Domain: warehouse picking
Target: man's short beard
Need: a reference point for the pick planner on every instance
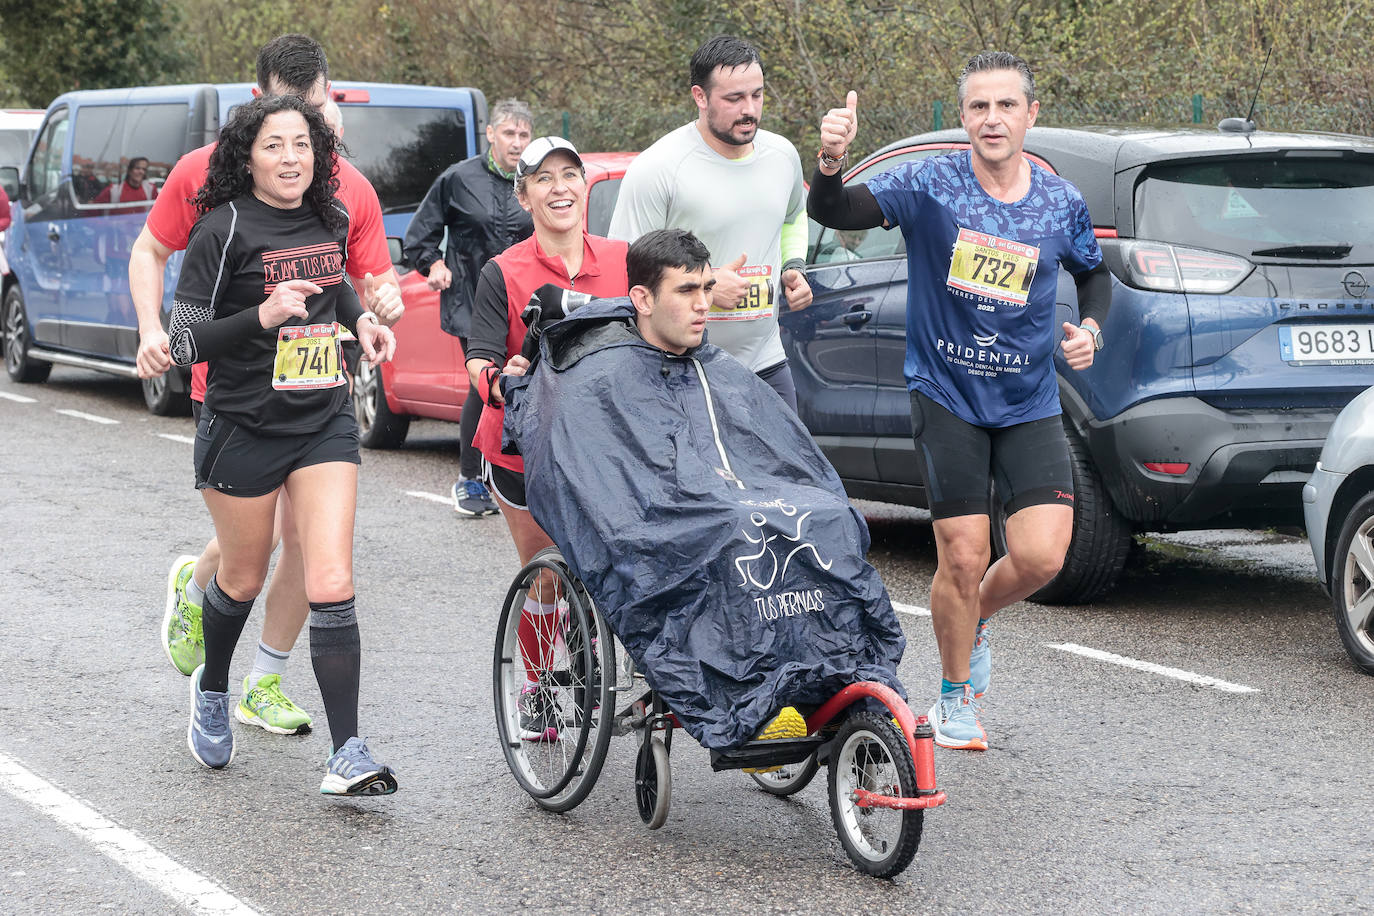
(729, 137)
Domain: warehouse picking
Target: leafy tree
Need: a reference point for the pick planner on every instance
(88, 44)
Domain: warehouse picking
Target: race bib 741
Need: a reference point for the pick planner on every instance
(992, 268)
(307, 357)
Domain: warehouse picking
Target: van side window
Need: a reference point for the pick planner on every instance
(45, 168)
(121, 154)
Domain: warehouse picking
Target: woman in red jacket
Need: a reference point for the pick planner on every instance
(551, 184)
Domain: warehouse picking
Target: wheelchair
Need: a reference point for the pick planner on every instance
(881, 769)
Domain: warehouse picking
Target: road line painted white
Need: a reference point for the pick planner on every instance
(914, 609)
(187, 888)
(17, 398)
(1202, 680)
(81, 415)
(432, 497)
(175, 438)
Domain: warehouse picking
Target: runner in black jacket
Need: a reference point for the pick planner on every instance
(475, 201)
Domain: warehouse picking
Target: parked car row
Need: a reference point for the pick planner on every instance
(1241, 322)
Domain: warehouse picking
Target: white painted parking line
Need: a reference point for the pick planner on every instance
(175, 438)
(914, 610)
(1201, 680)
(432, 497)
(17, 398)
(175, 881)
(81, 415)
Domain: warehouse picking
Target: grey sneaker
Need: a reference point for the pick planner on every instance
(538, 715)
(208, 736)
(352, 771)
(471, 498)
(956, 717)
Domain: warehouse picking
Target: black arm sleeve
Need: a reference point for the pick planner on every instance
(197, 338)
(1094, 294)
(490, 317)
(831, 204)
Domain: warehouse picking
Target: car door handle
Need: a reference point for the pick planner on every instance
(857, 318)
(54, 235)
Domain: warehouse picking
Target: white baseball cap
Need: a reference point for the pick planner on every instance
(538, 150)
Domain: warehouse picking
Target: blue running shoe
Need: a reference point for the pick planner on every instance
(980, 662)
(208, 736)
(471, 498)
(352, 771)
(955, 718)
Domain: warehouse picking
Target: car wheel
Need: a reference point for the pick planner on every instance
(20, 366)
(378, 427)
(163, 398)
(1352, 584)
(1101, 537)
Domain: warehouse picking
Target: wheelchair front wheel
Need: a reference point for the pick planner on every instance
(788, 779)
(869, 753)
(653, 782)
(554, 713)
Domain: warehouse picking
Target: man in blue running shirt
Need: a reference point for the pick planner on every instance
(986, 231)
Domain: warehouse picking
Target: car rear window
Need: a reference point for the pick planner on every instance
(1279, 206)
(402, 150)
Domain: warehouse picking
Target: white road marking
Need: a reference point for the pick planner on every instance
(432, 497)
(81, 415)
(193, 891)
(17, 398)
(175, 438)
(913, 609)
(1202, 680)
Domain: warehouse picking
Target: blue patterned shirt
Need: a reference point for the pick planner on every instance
(981, 282)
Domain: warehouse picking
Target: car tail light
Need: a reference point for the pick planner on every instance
(1172, 468)
(1176, 269)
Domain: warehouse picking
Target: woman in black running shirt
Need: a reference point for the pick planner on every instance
(261, 297)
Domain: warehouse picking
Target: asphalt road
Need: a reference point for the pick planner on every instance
(1109, 787)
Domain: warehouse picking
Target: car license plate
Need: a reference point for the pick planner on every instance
(1326, 344)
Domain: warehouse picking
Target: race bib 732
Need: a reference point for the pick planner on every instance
(992, 268)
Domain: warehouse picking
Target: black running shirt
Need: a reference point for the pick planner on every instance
(277, 381)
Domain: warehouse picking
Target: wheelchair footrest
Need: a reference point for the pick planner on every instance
(775, 752)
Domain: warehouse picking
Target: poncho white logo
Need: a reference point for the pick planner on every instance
(765, 560)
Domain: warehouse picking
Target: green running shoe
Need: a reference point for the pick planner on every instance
(182, 638)
(267, 707)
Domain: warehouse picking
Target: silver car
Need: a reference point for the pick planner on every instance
(1338, 502)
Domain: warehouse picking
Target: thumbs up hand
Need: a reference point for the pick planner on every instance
(383, 299)
(838, 128)
(730, 287)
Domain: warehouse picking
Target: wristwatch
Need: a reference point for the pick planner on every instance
(1096, 332)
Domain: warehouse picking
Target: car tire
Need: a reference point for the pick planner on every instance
(378, 427)
(163, 398)
(1101, 540)
(1352, 584)
(18, 364)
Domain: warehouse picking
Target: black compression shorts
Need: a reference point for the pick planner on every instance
(236, 461)
(1029, 461)
(508, 485)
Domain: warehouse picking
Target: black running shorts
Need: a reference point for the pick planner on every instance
(1029, 461)
(236, 461)
(508, 485)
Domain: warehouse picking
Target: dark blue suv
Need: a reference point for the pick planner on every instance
(1241, 324)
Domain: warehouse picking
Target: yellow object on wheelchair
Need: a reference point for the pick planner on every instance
(786, 724)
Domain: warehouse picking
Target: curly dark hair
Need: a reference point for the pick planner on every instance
(228, 177)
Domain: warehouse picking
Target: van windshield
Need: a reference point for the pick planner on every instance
(402, 150)
(14, 145)
(1306, 208)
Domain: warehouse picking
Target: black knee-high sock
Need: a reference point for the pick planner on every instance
(222, 621)
(335, 654)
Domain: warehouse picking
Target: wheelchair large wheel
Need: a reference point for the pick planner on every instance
(870, 753)
(788, 779)
(554, 714)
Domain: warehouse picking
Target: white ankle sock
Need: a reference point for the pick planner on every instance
(268, 661)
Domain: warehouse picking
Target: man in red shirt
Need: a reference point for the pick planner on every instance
(295, 65)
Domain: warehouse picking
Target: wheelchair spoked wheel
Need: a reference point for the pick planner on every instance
(554, 714)
(788, 779)
(870, 753)
(653, 782)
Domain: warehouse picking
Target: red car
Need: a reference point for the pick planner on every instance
(427, 378)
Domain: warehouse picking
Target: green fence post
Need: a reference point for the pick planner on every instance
(1197, 109)
(567, 125)
(937, 116)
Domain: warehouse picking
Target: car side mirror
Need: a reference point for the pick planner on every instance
(9, 180)
(398, 259)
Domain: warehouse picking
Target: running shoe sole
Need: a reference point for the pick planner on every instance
(190, 726)
(955, 744)
(382, 782)
(172, 606)
(548, 734)
(248, 717)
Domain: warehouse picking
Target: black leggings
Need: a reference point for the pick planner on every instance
(469, 459)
